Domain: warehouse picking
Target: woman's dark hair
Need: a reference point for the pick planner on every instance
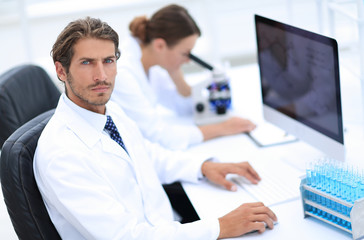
(62, 50)
(171, 23)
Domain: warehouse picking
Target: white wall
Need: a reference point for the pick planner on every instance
(227, 26)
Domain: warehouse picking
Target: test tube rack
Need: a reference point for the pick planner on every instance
(332, 210)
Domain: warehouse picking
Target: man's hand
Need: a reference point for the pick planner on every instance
(216, 173)
(246, 218)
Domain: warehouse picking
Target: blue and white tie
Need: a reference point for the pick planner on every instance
(114, 133)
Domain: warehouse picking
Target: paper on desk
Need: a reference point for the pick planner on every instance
(267, 134)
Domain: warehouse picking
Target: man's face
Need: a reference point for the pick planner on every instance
(91, 77)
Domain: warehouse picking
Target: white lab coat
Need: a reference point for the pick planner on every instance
(94, 190)
(135, 93)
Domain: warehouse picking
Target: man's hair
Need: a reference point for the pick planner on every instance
(88, 27)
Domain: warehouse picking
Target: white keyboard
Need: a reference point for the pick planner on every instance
(280, 183)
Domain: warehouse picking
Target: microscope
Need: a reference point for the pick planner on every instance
(211, 97)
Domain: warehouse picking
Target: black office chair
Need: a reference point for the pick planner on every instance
(25, 92)
(22, 197)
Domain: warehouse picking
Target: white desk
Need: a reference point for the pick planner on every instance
(213, 201)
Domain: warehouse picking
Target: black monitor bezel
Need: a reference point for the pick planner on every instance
(319, 38)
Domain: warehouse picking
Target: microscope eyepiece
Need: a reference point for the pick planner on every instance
(201, 62)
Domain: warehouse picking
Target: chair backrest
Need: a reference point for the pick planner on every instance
(21, 194)
(25, 92)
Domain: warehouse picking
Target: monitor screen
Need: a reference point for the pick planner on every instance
(300, 85)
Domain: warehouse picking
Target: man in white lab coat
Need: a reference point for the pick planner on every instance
(105, 183)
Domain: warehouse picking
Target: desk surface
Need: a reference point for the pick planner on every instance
(212, 201)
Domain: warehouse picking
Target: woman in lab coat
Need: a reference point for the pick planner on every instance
(150, 76)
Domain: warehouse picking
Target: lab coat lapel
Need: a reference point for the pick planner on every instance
(136, 66)
(110, 146)
(88, 134)
(145, 175)
(117, 149)
(144, 83)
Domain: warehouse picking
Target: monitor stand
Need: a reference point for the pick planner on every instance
(267, 134)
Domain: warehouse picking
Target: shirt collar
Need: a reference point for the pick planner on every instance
(96, 120)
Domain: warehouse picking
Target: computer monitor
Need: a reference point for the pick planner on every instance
(300, 85)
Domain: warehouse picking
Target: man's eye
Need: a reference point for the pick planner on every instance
(85, 62)
(109, 60)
